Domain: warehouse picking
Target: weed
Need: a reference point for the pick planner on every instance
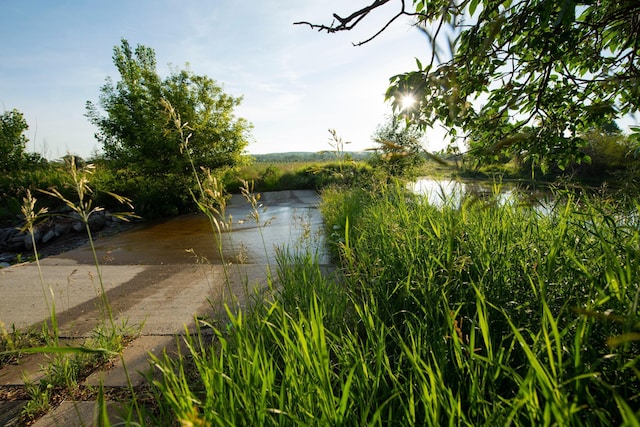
(39, 402)
(14, 340)
(31, 218)
(83, 207)
(68, 363)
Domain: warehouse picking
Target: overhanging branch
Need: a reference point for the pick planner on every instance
(349, 22)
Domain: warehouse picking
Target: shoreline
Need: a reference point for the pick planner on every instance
(64, 243)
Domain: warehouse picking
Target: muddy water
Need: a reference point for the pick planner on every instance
(287, 219)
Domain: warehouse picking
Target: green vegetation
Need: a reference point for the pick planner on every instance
(136, 134)
(67, 365)
(13, 143)
(144, 158)
(400, 151)
(527, 77)
(142, 148)
(470, 315)
(611, 160)
(474, 314)
(297, 176)
(13, 341)
(19, 170)
(483, 312)
(306, 157)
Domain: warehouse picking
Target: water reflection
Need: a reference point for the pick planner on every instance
(447, 192)
(287, 219)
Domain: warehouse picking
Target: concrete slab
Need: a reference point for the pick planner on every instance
(199, 290)
(10, 412)
(78, 414)
(162, 297)
(23, 295)
(137, 362)
(29, 369)
(169, 308)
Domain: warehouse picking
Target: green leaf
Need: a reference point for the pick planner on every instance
(472, 6)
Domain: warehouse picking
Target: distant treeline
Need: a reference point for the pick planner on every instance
(302, 156)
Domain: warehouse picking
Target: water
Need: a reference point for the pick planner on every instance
(450, 192)
(288, 219)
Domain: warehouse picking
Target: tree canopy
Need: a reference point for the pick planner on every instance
(137, 132)
(13, 141)
(525, 76)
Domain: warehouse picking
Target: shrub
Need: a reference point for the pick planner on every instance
(608, 154)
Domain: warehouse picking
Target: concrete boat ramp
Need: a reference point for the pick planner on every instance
(160, 277)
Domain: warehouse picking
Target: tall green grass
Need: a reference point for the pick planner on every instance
(513, 303)
(477, 314)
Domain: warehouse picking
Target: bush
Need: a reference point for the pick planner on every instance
(608, 154)
(270, 178)
(152, 196)
(299, 176)
(13, 188)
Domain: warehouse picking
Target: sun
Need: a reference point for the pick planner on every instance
(407, 101)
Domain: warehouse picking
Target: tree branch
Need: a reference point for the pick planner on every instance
(348, 23)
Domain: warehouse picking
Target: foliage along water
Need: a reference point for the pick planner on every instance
(471, 315)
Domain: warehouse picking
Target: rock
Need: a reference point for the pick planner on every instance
(6, 236)
(50, 234)
(62, 228)
(11, 232)
(16, 246)
(28, 240)
(97, 221)
(54, 235)
(7, 258)
(112, 218)
(16, 243)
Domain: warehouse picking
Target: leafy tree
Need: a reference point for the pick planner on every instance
(136, 132)
(610, 152)
(13, 142)
(525, 76)
(400, 146)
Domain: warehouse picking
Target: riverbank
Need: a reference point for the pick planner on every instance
(55, 236)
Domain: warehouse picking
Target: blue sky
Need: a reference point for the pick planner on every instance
(296, 83)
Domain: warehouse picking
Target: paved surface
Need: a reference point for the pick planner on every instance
(150, 279)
